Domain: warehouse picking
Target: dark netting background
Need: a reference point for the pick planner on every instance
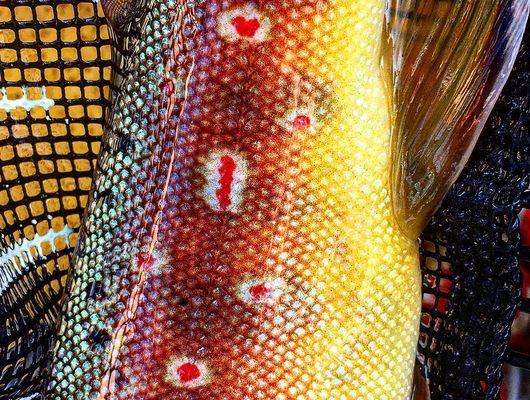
(469, 256)
(54, 73)
(519, 346)
(471, 277)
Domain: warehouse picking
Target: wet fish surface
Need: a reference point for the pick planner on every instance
(240, 241)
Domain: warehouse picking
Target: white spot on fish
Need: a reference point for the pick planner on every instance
(245, 23)
(261, 290)
(188, 372)
(226, 176)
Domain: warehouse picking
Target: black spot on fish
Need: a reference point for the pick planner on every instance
(125, 144)
(104, 193)
(99, 337)
(183, 302)
(81, 241)
(95, 290)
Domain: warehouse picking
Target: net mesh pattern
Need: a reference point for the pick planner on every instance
(58, 52)
(54, 73)
(471, 277)
(519, 346)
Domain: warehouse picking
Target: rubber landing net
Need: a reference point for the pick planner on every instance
(54, 82)
(470, 256)
(54, 73)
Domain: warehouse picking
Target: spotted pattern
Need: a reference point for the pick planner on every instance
(226, 174)
(283, 266)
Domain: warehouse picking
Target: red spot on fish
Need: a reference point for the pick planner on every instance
(226, 173)
(188, 372)
(145, 260)
(259, 292)
(168, 87)
(246, 27)
(302, 121)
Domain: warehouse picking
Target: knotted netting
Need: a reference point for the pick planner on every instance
(470, 255)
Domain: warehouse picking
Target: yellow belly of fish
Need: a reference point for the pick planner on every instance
(369, 276)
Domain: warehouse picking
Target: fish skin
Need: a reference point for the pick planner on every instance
(283, 277)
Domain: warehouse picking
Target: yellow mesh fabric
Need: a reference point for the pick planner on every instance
(54, 73)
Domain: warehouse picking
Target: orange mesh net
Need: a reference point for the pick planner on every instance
(54, 86)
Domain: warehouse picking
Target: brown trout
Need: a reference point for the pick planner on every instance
(266, 170)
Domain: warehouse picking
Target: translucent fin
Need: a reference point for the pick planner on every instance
(449, 61)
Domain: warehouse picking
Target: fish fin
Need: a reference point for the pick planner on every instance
(120, 13)
(448, 62)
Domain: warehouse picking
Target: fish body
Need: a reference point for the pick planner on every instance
(240, 241)
(252, 253)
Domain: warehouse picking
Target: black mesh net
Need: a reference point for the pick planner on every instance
(471, 278)
(519, 347)
(54, 72)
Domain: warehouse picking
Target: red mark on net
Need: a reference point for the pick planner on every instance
(188, 372)
(246, 27)
(226, 174)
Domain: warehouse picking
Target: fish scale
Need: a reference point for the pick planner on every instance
(293, 224)
(243, 245)
(118, 208)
